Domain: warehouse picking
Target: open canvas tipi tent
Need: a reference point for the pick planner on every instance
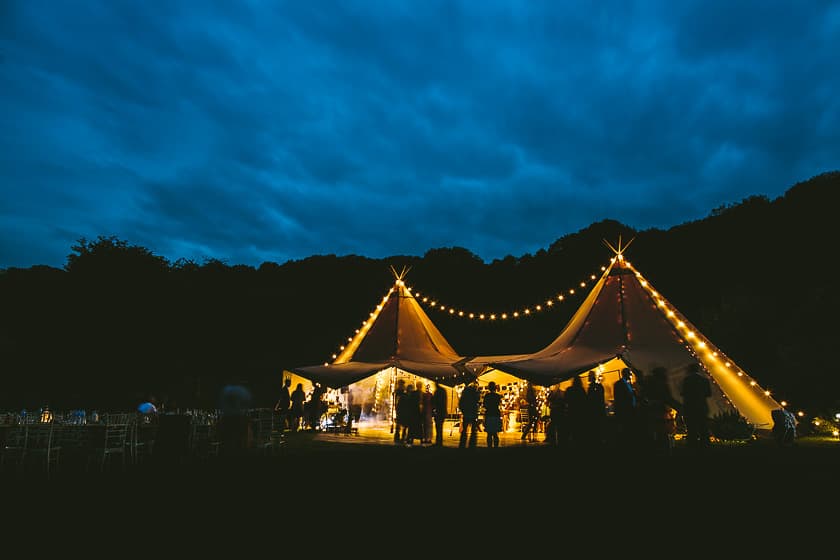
(625, 322)
(398, 336)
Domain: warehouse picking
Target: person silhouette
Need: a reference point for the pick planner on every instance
(530, 406)
(659, 406)
(624, 407)
(284, 403)
(439, 412)
(426, 413)
(315, 407)
(695, 392)
(557, 432)
(410, 404)
(597, 407)
(400, 415)
(233, 428)
(492, 415)
(577, 411)
(468, 403)
(784, 426)
(298, 401)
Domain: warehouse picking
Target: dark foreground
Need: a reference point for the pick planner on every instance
(323, 489)
(317, 463)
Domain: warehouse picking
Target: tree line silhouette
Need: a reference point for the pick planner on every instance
(119, 324)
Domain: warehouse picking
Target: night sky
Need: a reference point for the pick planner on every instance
(254, 131)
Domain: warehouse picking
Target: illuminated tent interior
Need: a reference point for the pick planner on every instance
(625, 322)
(397, 341)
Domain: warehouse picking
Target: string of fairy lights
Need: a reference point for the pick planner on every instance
(366, 324)
(434, 304)
(698, 345)
(529, 311)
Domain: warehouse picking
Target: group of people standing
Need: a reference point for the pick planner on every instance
(416, 410)
(644, 412)
(294, 411)
(577, 416)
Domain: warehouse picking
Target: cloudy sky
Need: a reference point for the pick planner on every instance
(254, 131)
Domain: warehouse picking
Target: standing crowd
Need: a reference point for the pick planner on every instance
(294, 411)
(641, 415)
(416, 411)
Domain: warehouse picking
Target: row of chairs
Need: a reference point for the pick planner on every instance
(41, 445)
(121, 439)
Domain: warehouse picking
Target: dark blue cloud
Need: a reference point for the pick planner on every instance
(252, 131)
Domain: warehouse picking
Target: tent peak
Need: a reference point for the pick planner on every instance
(398, 276)
(619, 249)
